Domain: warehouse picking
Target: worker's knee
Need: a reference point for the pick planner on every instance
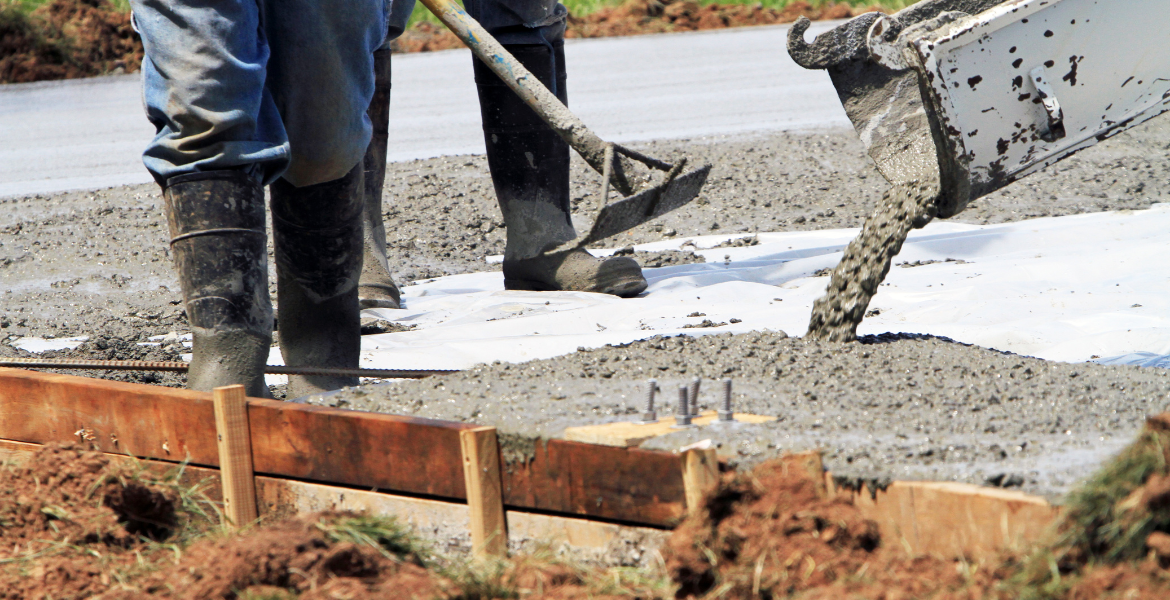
(520, 21)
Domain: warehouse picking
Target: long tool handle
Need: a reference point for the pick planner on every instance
(531, 91)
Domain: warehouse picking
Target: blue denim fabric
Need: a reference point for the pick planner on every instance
(279, 87)
(534, 22)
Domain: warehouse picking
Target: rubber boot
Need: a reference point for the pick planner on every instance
(216, 221)
(529, 164)
(317, 235)
(376, 289)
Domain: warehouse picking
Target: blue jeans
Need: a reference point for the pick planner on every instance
(276, 87)
(281, 87)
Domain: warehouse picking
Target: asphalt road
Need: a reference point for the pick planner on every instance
(89, 133)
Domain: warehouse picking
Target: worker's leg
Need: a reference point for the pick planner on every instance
(321, 74)
(529, 162)
(219, 138)
(376, 288)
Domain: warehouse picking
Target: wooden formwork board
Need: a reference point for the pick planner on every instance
(956, 519)
(404, 455)
(365, 450)
(278, 498)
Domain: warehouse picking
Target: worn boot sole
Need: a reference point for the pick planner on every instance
(623, 289)
(373, 295)
(576, 271)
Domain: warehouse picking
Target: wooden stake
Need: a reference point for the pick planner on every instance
(485, 498)
(235, 455)
(700, 474)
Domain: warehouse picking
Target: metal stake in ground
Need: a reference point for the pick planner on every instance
(725, 414)
(650, 415)
(683, 417)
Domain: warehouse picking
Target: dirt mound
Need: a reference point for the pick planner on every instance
(772, 533)
(330, 555)
(65, 39)
(67, 504)
(637, 17)
(75, 525)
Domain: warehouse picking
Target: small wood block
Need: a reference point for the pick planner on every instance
(485, 498)
(626, 434)
(235, 454)
(700, 475)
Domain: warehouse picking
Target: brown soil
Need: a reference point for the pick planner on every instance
(65, 39)
(295, 558)
(75, 525)
(637, 17)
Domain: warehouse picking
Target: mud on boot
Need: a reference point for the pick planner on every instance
(576, 270)
(220, 248)
(376, 288)
(529, 164)
(317, 234)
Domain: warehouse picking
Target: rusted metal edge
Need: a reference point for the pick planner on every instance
(337, 446)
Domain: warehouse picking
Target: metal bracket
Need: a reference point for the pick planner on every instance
(1047, 97)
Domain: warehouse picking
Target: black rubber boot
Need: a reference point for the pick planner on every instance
(317, 234)
(529, 163)
(216, 220)
(377, 289)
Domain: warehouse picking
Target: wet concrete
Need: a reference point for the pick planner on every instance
(902, 407)
(84, 263)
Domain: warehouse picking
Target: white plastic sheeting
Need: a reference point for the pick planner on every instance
(1070, 288)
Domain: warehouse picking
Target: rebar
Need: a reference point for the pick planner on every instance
(181, 367)
(725, 414)
(693, 399)
(650, 415)
(683, 418)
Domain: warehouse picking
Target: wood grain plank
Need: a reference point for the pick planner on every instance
(235, 455)
(623, 484)
(481, 470)
(700, 475)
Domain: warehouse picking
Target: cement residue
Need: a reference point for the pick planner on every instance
(891, 407)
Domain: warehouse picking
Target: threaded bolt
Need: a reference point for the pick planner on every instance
(693, 398)
(650, 415)
(683, 418)
(725, 414)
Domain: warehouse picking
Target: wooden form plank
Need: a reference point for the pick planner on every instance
(280, 498)
(116, 417)
(630, 433)
(485, 502)
(622, 484)
(366, 450)
(235, 455)
(956, 519)
(700, 475)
